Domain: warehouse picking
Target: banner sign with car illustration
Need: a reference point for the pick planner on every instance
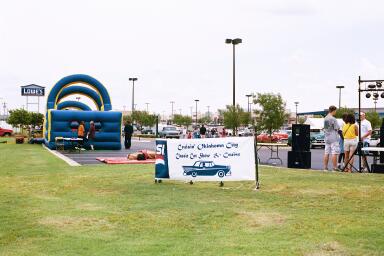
(214, 159)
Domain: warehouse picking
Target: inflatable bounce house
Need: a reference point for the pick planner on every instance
(63, 117)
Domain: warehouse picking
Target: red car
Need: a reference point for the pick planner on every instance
(275, 137)
(281, 136)
(5, 132)
(266, 138)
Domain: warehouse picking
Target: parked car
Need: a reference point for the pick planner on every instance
(375, 138)
(206, 168)
(169, 132)
(317, 140)
(282, 136)
(5, 132)
(266, 138)
(147, 130)
(245, 132)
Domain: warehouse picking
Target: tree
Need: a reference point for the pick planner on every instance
(272, 115)
(142, 118)
(204, 120)
(234, 117)
(374, 118)
(182, 120)
(302, 120)
(344, 110)
(36, 119)
(19, 118)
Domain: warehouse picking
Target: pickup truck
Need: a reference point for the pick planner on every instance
(5, 132)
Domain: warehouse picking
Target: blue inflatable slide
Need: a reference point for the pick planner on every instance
(62, 118)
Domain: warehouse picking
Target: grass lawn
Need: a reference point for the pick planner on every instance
(49, 208)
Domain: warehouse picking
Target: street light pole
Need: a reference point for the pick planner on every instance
(296, 104)
(196, 111)
(133, 79)
(172, 102)
(233, 42)
(248, 96)
(147, 106)
(340, 87)
(4, 107)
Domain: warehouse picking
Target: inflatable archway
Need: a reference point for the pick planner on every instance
(62, 118)
(70, 104)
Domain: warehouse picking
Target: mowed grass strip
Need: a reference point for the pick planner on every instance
(50, 208)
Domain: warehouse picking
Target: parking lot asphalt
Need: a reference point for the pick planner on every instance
(89, 157)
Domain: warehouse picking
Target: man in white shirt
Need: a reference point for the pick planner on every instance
(366, 132)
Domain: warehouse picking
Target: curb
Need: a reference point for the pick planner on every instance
(69, 161)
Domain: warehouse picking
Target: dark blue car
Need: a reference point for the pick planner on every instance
(206, 168)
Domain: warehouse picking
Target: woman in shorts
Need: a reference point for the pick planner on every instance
(350, 133)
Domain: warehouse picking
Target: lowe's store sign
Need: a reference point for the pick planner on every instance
(32, 90)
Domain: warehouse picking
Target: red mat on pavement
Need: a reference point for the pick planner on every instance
(124, 160)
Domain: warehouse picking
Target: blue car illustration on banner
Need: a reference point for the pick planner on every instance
(207, 168)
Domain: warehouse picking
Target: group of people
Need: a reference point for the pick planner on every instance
(341, 141)
(203, 133)
(89, 136)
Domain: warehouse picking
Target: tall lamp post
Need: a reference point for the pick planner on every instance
(172, 102)
(248, 96)
(339, 87)
(147, 105)
(133, 79)
(296, 104)
(234, 42)
(196, 111)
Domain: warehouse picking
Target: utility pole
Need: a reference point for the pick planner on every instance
(196, 110)
(133, 79)
(248, 107)
(340, 87)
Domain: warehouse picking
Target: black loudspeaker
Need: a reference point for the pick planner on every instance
(377, 168)
(297, 159)
(301, 137)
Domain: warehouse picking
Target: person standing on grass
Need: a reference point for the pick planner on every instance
(341, 158)
(366, 132)
(350, 132)
(331, 138)
(128, 131)
(91, 134)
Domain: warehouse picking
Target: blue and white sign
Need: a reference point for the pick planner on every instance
(216, 159)
(32, 90)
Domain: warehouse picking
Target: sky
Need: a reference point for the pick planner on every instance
(301, 49)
